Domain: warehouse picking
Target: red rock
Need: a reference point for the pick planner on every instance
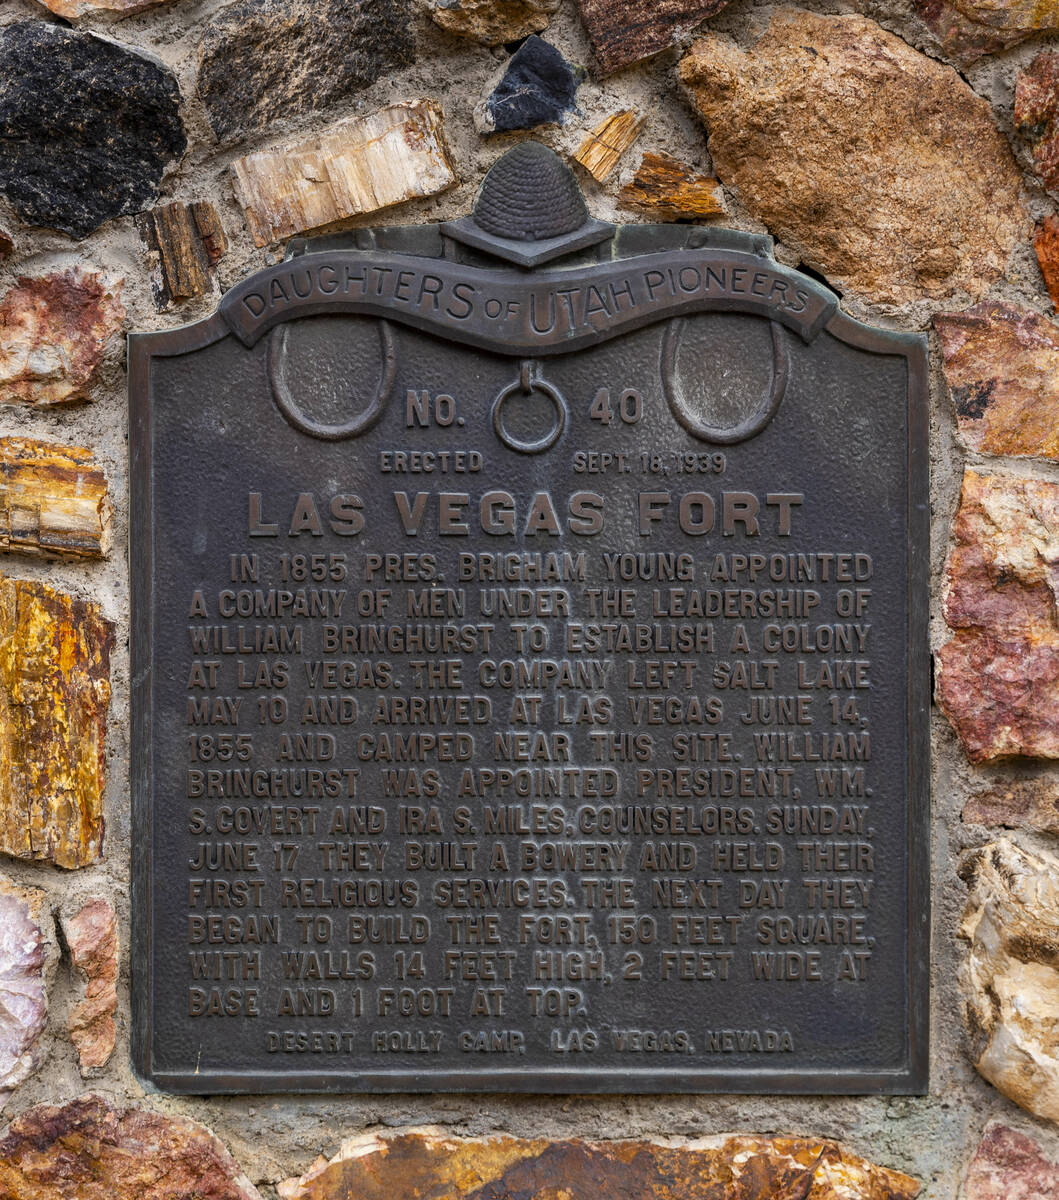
(87, 1150)
(1002, 367)
(1036, 108)
(625, 31)
(92, 936)
(967, 29)
(1009, 1165)
(27, 956)
(1046, 244)
(998, 679)
(54, 331)
(1018, 804)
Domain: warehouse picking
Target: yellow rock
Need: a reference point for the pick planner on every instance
(53, 499)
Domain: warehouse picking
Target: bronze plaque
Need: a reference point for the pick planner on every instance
(530, 675)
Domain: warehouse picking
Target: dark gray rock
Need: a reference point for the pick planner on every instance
(86, 126)
(538, 88)
(266, 59)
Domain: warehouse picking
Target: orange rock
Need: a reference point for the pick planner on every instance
(53, 499)
(1037, 115)
(600, 151)
(669, 191)
(54, 330)
(92, 936)
(54, 692)
(426, 1162)
(1046, 243)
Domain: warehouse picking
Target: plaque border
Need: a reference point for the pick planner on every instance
(912, 1078)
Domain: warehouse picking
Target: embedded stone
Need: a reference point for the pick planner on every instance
(600, 151)
(1009, 1165)
(265, 60)
(53, 499)
(1046, 245)
(1017, 804)
(669, 190)
(538, 88)
(28, 952)
(1010, 977)
(493, 22)
(968, 29)
(92, 937)
(54, 333)
(427, 1162)
(185, 241)
(72, 10)
(54, 692)
(1002, 367)
(816, 91)
(88, 1150)
(623, 32)
(7, 243)
(87, 126)
(998, 678)
(357, 166)
(1036, 113)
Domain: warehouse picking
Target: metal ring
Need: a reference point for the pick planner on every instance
(281, 393)
(527, 389)
(745, 429)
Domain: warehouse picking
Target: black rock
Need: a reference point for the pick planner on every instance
(86, 126)
(265, 59)
(538, 88)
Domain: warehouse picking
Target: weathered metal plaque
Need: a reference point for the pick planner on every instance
(530, 676)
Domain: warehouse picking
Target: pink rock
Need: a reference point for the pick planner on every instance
(92, 936)
(1008, 1165)
(27, 955)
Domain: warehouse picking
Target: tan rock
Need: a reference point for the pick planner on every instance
(603, 147)
(54, 330)
(1009, 1165)
(71, 10)
(92, 936)
(1017, 804)
(28, 952)
(493, 22)
(186, 241)
(429, 1163)
(841, 138)
(998, 679)
(358, 166)
(87, 1150)
(1002, 367)
(668, 190)
(54, 692)
(53, 499)
(1046, 244)
(1010, 977)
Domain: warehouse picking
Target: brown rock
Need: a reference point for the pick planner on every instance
(87, 1150)
(1036, 109)
(92, 936)
(358, 166)
(54, 692)
(1009, 1165)
(426, 1162)
(54, 330)
(27, 957)
(1018, 804)
(669, 191)
(1046, 243)
(967, 29)
(626, 31)
(1002, 367)
(493, 22)
(600, 151)
(998, 679)
(817, 91)
(1010, 978)
(186, 242)
(7, 243)
(53, 499)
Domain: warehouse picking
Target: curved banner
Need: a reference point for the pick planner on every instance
(513, 312)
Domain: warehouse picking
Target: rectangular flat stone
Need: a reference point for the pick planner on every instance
(188, 240)
(625, 31)
(670, 191)
(600, 151)
(53, 499)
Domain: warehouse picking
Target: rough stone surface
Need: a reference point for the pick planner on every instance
(27, 958)
(54, 332)
(86, 126)
(968, 29)
(493, 22)
(1002, 367)
(1036, 113)
(87, 1150)
(538, 88)
(998, 679)
(92, 937)
(54, 692)
(261, 60)
(7, 243)
(625, 31)
(667, 190)
(922, 158)
(53, 499)
(1018, 804)
(1046, 245)
(428, 1163)
(600, 151)
(1009, 1165)
(1010, 976)
(72, 10)
(186, 241)
(354, 167)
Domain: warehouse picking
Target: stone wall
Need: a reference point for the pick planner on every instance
(151, 155)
